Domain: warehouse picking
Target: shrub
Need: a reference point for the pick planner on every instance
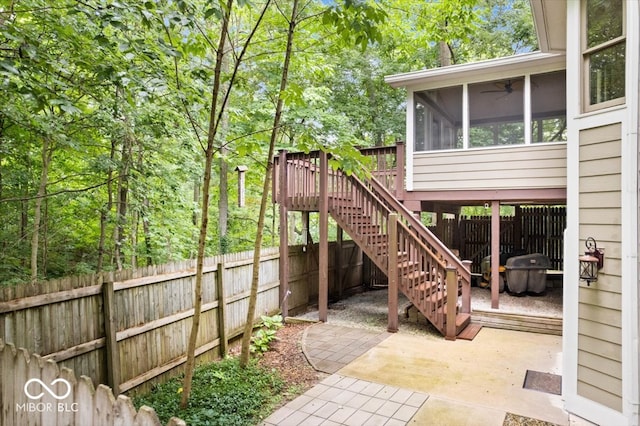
(268, 327)
(223, 393)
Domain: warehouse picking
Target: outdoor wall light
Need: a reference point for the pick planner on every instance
(591, 262)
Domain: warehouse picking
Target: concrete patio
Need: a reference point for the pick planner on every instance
(398, 379)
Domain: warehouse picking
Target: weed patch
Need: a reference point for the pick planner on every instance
(223, 393)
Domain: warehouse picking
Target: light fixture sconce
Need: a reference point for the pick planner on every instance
(591, 262)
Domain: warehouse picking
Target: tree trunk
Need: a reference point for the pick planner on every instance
(47, 153)
(445, 54)
(45, 238)
(104, 212)
(206, 183)
(24, 223)
(147, 231)
(255, 279)
(223, 200)
(215, 117)
(123, 194)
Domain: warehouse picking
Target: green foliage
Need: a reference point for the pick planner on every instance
(267, 329)
(356, 22)
(223, 394)
(88, 76)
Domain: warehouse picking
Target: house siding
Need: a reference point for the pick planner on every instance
(600, 304)
(515, 167)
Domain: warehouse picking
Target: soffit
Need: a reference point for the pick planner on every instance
(550, 19)
(492, 69)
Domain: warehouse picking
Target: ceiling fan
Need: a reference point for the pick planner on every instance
(503, 87)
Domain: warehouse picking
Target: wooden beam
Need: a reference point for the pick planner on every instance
(392, 274)
(400, 162)
(465, 308)
(110, 329)
(136, 381)
(452, 301)
(495, 253)
(338, 263)
(161, 322)
(77, 350)
(283, 271)
(222, 311)
(323, 256)
(49, 298)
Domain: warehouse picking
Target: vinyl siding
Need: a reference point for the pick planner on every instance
(514, 167)
(599, 305)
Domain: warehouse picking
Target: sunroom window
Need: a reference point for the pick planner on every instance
(548, 107)
(510, 111)
(496, 112)
(604, 53)
(438, 119)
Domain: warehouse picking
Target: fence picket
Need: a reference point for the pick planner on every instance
(69, 321)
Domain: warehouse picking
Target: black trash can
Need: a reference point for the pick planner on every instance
(527, 273)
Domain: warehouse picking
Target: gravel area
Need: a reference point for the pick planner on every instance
(548, 304)
(369, 310)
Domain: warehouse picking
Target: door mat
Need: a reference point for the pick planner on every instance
(543, 382)
(515, 420)
(470, 332)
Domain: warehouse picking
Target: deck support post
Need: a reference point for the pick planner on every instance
(466, 291)
(400, 154)
(323, 256)
(495, 253)
(517, 229)
(452, 302)
(339, 282)
(440, 224)
(283, 270)
(392, 277)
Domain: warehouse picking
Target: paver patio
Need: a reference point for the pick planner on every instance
(405, 379)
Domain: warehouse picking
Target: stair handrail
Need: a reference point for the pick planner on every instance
(420, 229)
(382, 205)
(438, 263)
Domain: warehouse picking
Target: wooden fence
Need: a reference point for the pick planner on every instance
(35, 391)
(532, 230)
(130, 329)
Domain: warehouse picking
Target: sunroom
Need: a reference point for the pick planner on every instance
(490, 125)
(489, 133)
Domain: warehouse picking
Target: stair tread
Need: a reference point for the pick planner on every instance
(425, 289)
(414, 275)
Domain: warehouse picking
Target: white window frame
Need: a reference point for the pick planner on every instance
(586, 62)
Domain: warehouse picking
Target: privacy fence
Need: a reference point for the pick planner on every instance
(537, 229)
(130, 329)
(35, 391)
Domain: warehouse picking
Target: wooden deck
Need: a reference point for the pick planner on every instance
(415, 261)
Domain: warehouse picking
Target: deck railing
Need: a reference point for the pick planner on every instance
(387, 166)
(421, 271)
(434, 245)
(362, 208)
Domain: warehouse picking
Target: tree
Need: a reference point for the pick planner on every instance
(215, 118)
(255, 277)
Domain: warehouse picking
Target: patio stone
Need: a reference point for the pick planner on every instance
(405, 381)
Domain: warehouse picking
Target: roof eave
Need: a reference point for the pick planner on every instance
(515, 63)
(550, 20)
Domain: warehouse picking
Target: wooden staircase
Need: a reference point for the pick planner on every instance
(420, 265)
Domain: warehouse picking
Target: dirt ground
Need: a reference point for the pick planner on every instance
(285, 355)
